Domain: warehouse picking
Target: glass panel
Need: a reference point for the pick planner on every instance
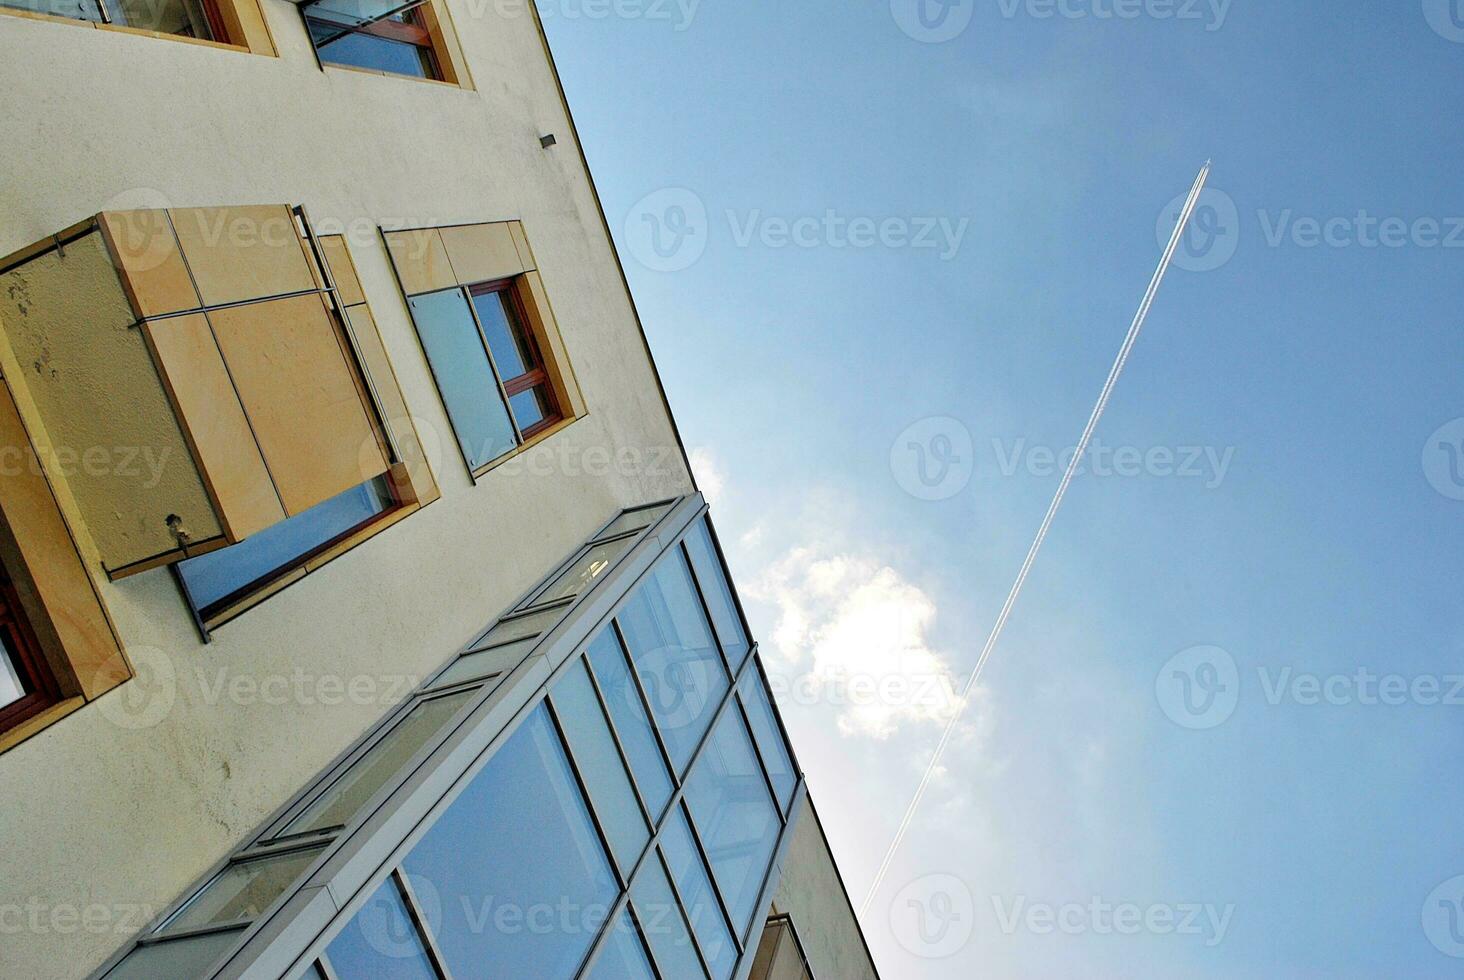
(593, 748)
(734, 816)
(770, 743)
(511, 352)
(356, 11)
(243, 890)
(264, 555)
(661, 921)
(675, 656)
(381, 942)
(530, 406)
(531, 624)
(607, 659)
(82, 10)
(634, 520)
(583, 571)
(702, 905)
(718, 595)
(464, 376)
(516, 866)
(624, 956)
(189, 957)
(383, 761)
(369, 51)
(11, 687)
(489, 663)
(182, 17)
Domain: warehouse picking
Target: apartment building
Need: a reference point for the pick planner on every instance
(359, 615)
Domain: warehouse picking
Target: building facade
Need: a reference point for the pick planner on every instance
(360, 616)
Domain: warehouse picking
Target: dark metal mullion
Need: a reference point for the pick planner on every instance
(492, 364)
(646, 706)
(685, 910)
(640, 934)
(208, 929)
(621, 878)
(619, 745)
(706, 861)
(102, 10)
(328, 971)
(419, 919)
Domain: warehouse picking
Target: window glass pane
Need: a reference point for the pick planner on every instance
(83, 10)
(770, 743)
(243, 890)
(176, 958)
(182, 17)
(464, 376)
(583, 571)
(355, 11)
(381, 942)
(634, 520)
(530, 406)
(513, 852)
(702, 906)
(369, 51)
(593, 748)
(628, 711)
(261, 556)
(499, 660)
(661, 921)
(384, 760)
(11, 687)
(718, 594)
(675, 656)
(734, 817)
(505, 335)
(624, 956)
(531, 624)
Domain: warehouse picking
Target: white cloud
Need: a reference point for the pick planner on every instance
(855, 634)
(710, 477)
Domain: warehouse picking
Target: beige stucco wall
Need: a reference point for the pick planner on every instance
(811, 893)
(118, 807)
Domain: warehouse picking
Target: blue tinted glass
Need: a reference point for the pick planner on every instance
(593, 748)
(221, 573)
(529, 407)
(628, 712)
(368, 51)
(718, 595)
(661, 921)
(624, 956)
(675, 656)
(381, 942)
(464, 376)
(503, 335)
(515, 865)
(769, 737)
(702, 907)
(734, 815)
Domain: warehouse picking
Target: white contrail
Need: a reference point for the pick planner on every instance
(1062, 488)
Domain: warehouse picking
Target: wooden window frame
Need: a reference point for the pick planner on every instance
(411, 31)
(23, 652)
(236, 25)
(429, 29)
(536, 375)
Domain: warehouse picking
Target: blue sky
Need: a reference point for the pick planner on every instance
(1293, 503)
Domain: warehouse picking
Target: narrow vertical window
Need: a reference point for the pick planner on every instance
(516, 356)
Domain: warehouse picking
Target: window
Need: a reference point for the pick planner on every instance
(489, 336)
(242, 890)
(26, 683)
(239, 23)
(394, 37)
(376, 35)
(697, 896)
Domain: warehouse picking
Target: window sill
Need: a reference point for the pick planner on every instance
(136, 31)
(519, 450)
(38, 722)
(331, 66)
